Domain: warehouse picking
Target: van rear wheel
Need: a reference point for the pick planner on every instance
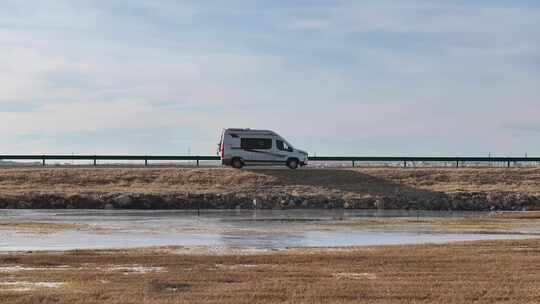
(292, 163)
(237, 163)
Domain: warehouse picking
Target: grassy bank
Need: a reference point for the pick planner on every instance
(175, 188)
(480, 272)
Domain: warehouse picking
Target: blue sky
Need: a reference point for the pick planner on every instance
(333, 77)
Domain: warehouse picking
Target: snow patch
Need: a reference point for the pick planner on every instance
(132, 269)
(9, 269)
(355, 276)
(236, 266)
(27, 286)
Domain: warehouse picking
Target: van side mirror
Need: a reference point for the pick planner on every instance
(290, 149)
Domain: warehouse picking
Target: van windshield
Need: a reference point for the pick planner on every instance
(283, 145)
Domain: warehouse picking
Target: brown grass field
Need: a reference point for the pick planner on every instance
(467, 272)
(375, 181)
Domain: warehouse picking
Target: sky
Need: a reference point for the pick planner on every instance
(362, 78)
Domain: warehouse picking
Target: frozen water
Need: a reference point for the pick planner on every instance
(254, 229)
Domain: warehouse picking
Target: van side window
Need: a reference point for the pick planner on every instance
(281, 145)
(256, 143)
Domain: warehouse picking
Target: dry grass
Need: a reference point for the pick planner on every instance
(532, 215)
(485, 224)
(314, 181)
(479, 272)
(38, 227)
(133, 180)
(519, 180)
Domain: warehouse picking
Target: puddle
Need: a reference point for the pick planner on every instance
(240, 229)
(166, 287)
(275, 220)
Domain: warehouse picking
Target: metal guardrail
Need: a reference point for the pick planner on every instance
(353, 159)
(95, 158)
(406, 160)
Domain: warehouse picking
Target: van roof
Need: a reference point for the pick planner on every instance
(250, 131)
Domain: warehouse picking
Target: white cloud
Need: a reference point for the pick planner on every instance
(371, 72)
(436, 17)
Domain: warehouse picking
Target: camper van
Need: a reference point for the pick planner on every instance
(240, 147)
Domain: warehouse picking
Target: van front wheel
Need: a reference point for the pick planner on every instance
(237, 163)
(292, 163)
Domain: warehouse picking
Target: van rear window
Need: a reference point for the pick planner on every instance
(256, 143)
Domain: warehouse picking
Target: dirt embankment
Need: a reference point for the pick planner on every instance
(175, 188)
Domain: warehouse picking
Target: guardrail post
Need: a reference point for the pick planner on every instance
(146, 161)
(43, 160)
(404, 164)
(457, 163)
(95, 161)
(353, 163)
(508, 165)
(197, 162)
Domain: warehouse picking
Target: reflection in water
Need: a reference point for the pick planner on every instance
(262, 229)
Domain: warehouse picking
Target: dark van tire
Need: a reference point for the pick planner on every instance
(292, 163)
(237, 163)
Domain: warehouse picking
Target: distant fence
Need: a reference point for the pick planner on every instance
(405, 161)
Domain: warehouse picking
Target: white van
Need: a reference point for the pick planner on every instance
(239, 147)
